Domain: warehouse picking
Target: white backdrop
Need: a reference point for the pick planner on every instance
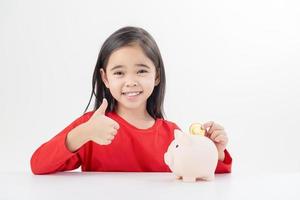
(234, 62)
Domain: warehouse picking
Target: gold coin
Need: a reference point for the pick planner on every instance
(196, 129)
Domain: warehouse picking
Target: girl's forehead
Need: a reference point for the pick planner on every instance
(129, 56)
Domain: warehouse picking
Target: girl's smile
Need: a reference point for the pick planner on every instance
(132, 95)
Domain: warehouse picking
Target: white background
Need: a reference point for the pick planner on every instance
(234, 62)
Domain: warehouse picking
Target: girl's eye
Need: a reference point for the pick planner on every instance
(176, 146)
(118, 73)
(142, 71)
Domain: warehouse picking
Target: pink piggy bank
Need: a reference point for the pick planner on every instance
(192, 157)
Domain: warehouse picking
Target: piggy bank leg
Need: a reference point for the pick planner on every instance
(209, 178)
(188, 179)
(178, 177)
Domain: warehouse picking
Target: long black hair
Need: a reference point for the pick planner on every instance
(127, 36)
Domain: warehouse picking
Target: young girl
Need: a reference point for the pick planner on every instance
(126, 131)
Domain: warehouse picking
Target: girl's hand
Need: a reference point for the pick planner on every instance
(102, 129)
(218, 135)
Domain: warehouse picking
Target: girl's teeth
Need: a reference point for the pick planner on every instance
(132, 94)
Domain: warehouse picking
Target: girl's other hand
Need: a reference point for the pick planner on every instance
(217, 134)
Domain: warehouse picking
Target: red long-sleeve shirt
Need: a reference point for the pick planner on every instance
(132, 150)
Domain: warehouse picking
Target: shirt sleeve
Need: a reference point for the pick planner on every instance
(53, 156)
(225, 165)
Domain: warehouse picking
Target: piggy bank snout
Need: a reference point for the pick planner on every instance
(167, 158)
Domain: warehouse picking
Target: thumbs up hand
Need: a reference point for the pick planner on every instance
(102, 129)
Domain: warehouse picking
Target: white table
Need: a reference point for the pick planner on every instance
(104, 186)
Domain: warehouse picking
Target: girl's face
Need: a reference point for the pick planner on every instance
(130, 76)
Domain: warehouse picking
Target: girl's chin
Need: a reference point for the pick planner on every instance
(130, 104)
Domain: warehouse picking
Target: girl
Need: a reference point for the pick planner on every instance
(127, 130)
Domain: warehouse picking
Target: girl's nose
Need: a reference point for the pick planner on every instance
(131, 84)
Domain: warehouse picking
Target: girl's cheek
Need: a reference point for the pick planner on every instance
(149, 81)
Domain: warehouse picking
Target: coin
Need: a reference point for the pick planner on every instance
(196, 129)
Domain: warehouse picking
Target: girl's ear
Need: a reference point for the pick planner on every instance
(104, 77)
(157, 79)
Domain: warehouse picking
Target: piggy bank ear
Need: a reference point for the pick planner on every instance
(185, 139)
(177, 133)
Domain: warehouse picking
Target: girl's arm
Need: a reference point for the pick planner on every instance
(54, 155)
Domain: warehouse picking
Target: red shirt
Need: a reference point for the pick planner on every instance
(132, 150)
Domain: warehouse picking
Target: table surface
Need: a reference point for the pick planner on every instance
(115, 185)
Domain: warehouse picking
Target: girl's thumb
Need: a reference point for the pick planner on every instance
(102, 108)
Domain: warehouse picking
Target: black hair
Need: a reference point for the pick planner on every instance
(127, 36)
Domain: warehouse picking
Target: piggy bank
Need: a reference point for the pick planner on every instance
(192, 157)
